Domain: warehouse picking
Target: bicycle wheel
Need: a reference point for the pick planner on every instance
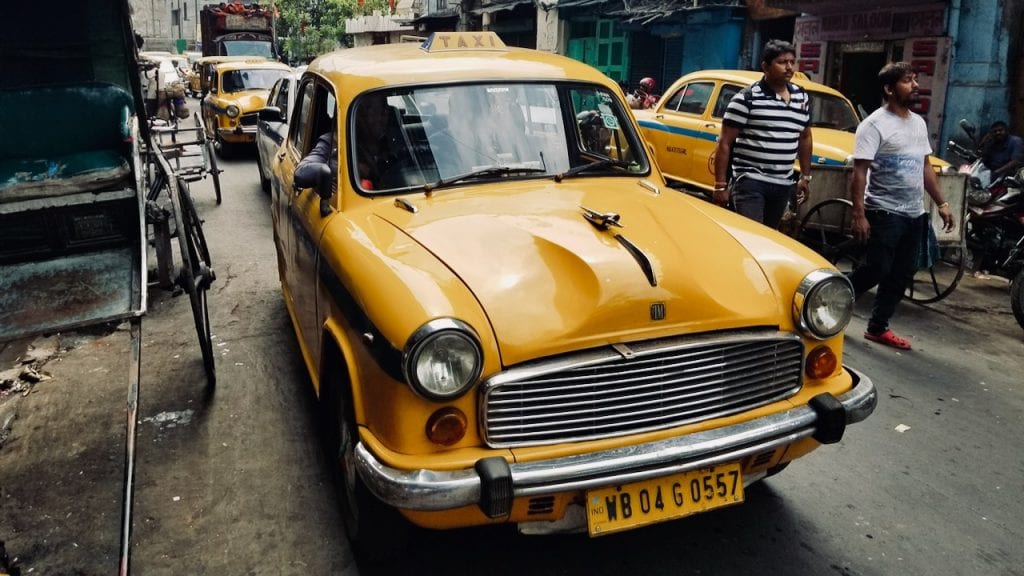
(196, 272)
(209, 157)
(935, 283)
(826, 229)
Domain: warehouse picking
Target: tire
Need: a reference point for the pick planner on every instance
(196, 273)
(935, 283)
(1017, 297)
(827, 229)
(264, 181)
(209, 156)
(379, 534)
(214, 171)
(222, 148)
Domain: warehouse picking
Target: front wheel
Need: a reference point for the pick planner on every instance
(378, 532)
(1017, 297)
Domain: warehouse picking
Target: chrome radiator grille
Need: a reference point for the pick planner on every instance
(643, 386)
(248, 119)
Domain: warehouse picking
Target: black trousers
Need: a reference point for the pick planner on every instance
(890, 262)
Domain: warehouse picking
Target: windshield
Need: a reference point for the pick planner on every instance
(828, 111)
(437, 136)
(250, 79)
(247, 48)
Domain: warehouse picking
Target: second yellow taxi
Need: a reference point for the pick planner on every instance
(237, 91)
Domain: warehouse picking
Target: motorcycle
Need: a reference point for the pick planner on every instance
(995, 221)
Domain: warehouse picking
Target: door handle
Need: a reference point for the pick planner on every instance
(711, 125)
(659, 116)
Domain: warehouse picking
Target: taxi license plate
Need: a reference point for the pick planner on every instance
(628, 506)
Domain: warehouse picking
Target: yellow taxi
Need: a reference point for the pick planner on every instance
(684, 125)
(202, 71)
(238, 90)
(508, 317)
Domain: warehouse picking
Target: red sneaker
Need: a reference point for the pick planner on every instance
(889, 338)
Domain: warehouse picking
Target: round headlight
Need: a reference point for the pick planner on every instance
(442, 359)
(823, 304)
(232, 111)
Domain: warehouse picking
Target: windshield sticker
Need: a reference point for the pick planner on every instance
(610, 121)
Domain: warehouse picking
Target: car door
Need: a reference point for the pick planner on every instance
(317, 112)
(680, 131)
(711, 128)
(270, 133)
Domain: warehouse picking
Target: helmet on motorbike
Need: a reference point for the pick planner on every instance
(647, 84)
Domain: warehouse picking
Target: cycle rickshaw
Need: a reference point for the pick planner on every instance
(83, 180)
(825, 219)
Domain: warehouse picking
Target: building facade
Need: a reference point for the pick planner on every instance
(966, 54)
(168, 24)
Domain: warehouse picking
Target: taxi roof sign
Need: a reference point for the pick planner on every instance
(459, 41)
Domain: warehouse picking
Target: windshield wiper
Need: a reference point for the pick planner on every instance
(480, 172)
(592, 166)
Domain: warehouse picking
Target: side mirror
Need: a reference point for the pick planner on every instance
(271, 114)
(967, 127)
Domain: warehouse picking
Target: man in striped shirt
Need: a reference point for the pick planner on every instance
(766, 127)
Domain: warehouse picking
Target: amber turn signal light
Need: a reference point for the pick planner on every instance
(446, 426)
(821, 363)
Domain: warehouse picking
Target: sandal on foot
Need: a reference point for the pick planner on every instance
(889, 338)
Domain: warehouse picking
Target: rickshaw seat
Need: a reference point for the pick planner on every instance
(63, 139)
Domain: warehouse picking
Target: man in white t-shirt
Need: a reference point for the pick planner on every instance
(891, 157)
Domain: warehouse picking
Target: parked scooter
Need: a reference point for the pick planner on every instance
(995, 221)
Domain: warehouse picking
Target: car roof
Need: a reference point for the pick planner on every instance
(747, 77)
(216, 59)
(448, 56)
(253, 65)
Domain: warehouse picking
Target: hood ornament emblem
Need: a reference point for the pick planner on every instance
(602, 220)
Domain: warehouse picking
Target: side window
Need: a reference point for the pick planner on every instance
(281, 101)
(724, 96)
(303, 118)
(673, 101)
(693, 98)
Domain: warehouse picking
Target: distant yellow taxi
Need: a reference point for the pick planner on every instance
(509, 317)
(684, 126)
(237, 91)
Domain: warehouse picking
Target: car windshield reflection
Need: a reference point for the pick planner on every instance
(437, 136)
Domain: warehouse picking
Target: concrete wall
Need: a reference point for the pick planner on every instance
(152, 19)
(979, 76)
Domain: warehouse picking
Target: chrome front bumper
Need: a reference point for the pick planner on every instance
(246, 131)
(434, 490)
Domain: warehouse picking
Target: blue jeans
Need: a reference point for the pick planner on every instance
(761, 201)
(890, 262)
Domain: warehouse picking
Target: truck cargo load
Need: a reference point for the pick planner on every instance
(238, 29)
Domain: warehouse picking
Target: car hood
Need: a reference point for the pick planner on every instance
(550, 281)
(831, 147)
(247, 101)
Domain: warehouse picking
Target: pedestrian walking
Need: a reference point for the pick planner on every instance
(890, 176)
(765, 129)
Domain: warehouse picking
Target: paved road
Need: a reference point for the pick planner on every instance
(233, 482)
